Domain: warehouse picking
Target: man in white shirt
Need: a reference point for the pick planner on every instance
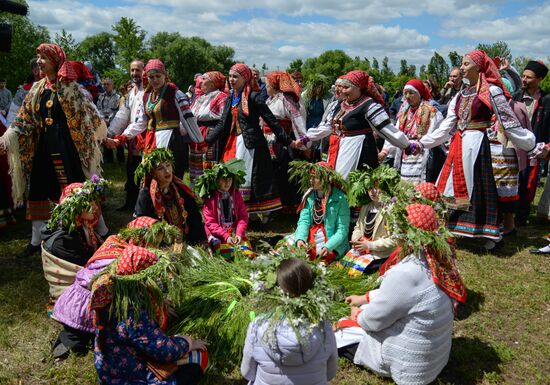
(126, 115)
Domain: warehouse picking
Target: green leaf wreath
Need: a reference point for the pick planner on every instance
(208, 182)
(151, 161)
(150, 235)
(384, 177)
(301, 172)
(64, 215)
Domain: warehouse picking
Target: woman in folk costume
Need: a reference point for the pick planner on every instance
(352, 125)
(371, 245)
(323, 225)
(166, 115)
(240, 136)
(7, 207)
(284, 96)
(164, 196)
(416, 118)
(72, 307)
(130, 315)
(54, 140)
(207, 108)
(466, 180)
(403, 329)
(224, 212)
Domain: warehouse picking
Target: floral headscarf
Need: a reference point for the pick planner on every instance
(365, 83)
(55, 53)
(250, 85)
(488, 74)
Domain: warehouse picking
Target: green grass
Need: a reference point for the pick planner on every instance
(501, 336)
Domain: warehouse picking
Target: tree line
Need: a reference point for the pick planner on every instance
(111, 53)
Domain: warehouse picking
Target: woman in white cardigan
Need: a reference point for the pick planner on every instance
(403, 329)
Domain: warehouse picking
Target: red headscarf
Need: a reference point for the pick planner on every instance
(429, 191)
(55, 53)
(282, 81)
(135, 259)
(155, 65)
(250, 85)
(420, 88)
(365, 83)
(488, 74)
(142, 222)
(422, 217)
(217, 78)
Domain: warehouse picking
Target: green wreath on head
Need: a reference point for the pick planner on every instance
(384, 177)
(208, 182)
(301, 172)
(149, 235)
(151, 161)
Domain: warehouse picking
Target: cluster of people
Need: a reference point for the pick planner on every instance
(404, 184)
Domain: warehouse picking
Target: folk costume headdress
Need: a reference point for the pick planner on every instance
(365, 83)
(419, 230)
(419, 87)
(488, 74)
(282, 81)
(79, 206)
(208, 182)
(250, 84)
(139, 280)
(65, 71)
(217, 78)
(383, 177)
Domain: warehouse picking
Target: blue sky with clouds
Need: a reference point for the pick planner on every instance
(277, 31)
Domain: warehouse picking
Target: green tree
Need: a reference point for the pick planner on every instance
(455, 59)
(129, 41)
(387, 74)
(331, 63)
(500, 49)
(184, 56)
(375, 64)
(14, 66)
(422, 71)
(295, 65)
(520, 62)
(438, 68)
(66, 41)
(99, 49)
(404, 67)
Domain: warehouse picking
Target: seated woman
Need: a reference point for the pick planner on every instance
(403, 329)
(323, 225)
(130, 316)
(72, 307)
(224, 211)
(70, 239)
(371, 245)
(165, 196)
(276, 351)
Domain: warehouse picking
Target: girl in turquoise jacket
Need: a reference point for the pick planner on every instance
(323, 225)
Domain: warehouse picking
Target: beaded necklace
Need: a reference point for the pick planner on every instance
(319, 204)
(150, 106)
(49, 104)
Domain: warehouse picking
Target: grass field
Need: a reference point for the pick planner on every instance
(501, 336)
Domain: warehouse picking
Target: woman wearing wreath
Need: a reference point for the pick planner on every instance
(164, 196)
(54, 140)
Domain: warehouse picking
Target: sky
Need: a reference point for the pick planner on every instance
(276, 32)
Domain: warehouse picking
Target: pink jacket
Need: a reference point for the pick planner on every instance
(211, 221)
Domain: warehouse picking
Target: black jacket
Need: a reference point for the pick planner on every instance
(253, 135)
(540, 122)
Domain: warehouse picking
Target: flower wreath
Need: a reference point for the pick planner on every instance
(65, 214)
(208, 181)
